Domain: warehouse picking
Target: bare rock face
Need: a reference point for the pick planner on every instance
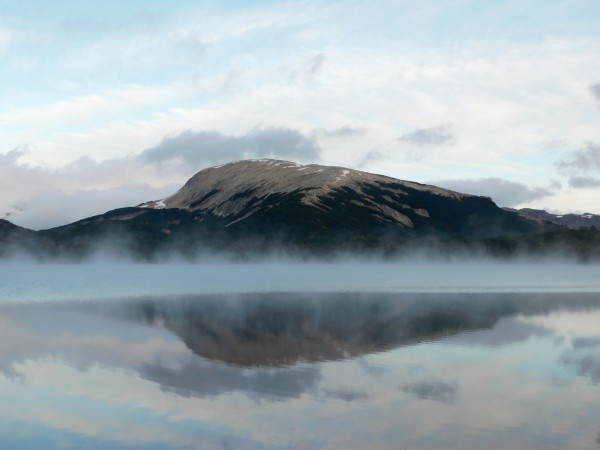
(240, 189)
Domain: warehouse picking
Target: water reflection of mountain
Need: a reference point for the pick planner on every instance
(274, 330)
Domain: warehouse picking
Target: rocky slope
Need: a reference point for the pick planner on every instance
(286, 193)
(248, 186)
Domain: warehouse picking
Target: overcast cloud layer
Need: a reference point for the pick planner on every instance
(114, 104)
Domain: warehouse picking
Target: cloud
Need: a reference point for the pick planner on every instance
(595, 88)
(308, 69)
(421, 142)
(584, 160)
(49, 208)
(39, 198)
(344, 132)
(205, 148)
(429, 137)
(372, 155)
(315, 64)
(503, 192)
(583, 182)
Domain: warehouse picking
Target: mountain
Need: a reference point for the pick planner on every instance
(269, 193)
(572, 221)
(261, 206)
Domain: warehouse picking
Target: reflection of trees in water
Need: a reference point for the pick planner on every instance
(283, 329)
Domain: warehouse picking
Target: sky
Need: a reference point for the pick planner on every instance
(111, 104)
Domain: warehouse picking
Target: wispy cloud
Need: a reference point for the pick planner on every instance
(583, 160)
(595, 88)
(344, 132)
(422, 142)
(315, 64)
(583, 182)
(429, 137)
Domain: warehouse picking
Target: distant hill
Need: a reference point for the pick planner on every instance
(255, 207)
(15, 239)
(572, 221)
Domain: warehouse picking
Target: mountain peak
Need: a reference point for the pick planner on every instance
(246, 185)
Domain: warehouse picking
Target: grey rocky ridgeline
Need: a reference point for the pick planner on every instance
(245, 186)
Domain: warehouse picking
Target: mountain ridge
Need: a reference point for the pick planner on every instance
(261, 206)
(220, 188)
(572, 221)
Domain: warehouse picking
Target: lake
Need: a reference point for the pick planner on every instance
(277, 356)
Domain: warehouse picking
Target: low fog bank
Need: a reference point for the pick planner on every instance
(124, 250)
(118, 237)
(22, 281)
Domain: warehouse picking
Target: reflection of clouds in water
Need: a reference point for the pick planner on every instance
(439, 391)
(206, 379)
(586, 342)
(505, 332)
(585, 364)
(583, 323)
(135, 370)
(373, 370)
(118, 407)
(82, 340)
(584, 358)
(67, 400)
(201, 378)
(581, 331)
(344, 394)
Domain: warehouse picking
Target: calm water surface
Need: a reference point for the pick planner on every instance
(377, 370)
